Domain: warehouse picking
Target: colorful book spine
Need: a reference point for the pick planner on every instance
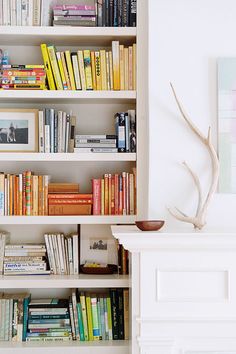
(88, 70)
(55, 68)
(96, 332)
(48, 67)
(89, 317)
(70, 69)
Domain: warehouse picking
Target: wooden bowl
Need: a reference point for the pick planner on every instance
(150, 225)
(110, 269)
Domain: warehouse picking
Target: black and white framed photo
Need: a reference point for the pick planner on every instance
(18, 130)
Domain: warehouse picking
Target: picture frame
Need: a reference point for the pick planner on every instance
(18, 130)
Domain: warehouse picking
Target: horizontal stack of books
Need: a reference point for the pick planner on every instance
(65, 199)
(74, 15)
(63, 253)
(114, 194)
(86, 316)
(95, 143)
(23, 77)
(23, 194)
(28, 259)
(125, 125)
(113, 69)
(48, 320)
(56, 131)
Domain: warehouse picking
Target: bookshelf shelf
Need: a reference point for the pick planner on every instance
(68, 220)
(105, 347)
(32, 36)
(73, 157)
(44, 96)
(64, 281)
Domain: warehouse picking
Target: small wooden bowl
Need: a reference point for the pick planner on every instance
(110, 269)
(150, 225)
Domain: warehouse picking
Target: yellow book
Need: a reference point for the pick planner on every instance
(108, 71)
(55, 68)
(116, 64)
(48, 67)
(122, 68)
(84, 316)
(111, 69)
(126, 313)
(130, 68)
(93, 70)
(88, 70)
(63, 60)
(103, 69)
(89, 317)
(98, 70)
(126, 65)
(102, 197)
(134, 65)
(70, 69)
(81, 69)
(20, 194)
(63, 78)
(35, 195)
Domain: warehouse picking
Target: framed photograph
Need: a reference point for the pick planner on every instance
(18, 130)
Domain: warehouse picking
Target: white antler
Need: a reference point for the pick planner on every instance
(199, 220)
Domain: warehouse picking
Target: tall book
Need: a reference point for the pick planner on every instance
(98, 70)
(48, 67)
(116, 64)
(103, 69)
(70, 69)
(55, 67)
(88, 70)
(93, 66)
(81, 69)
(60, 65)
(75, 65)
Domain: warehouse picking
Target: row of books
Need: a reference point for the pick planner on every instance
(32, 77)
(25, 259)
(56, 131)
(113, 69)
(23, 194)
(113, 13)
(114, 194)
(63, 253)
(86, 316)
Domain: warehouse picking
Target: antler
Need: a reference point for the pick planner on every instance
(199, 220)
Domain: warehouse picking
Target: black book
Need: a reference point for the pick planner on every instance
(56, 133)
(120, 12)
(111, 13)
(114, 313)
(51, 303)
(120, 313)
(133, 13)
(103, 13)
(99, 13)
(132, 137)
(115, 13)
(107, 13)
(125, 17)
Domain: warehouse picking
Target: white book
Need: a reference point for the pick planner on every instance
(67, 256)
(60, 126)
(36, 12)
(41, 131)
(76, 71)
(70, 256)
(64, 132)
(60, 253)
(4, 238)
(47, 138)
(50, 241)
(67, 133)
(1, 12)
(24, 12)
(30, 7)
(18, 12)
(48, 251)
(75, 254)
(13, 12)
(6, 13)
(46, 12)
(56, 253)
(64, 253)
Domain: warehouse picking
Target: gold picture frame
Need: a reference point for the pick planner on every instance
(18, 130)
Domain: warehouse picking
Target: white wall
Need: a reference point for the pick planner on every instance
(186, 38)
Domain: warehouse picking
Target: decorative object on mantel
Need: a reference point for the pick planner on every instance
(199, 220)
(150, 225)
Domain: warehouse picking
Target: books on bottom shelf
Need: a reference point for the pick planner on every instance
(85, 316)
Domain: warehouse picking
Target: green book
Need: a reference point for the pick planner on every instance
(99, 317)
(84, 316)
(80, 320)
(110, 316)
(96, 331)
(89, 317)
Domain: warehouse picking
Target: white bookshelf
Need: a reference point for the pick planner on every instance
(95, 110)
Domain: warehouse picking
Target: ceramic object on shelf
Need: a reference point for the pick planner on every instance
(150, 225)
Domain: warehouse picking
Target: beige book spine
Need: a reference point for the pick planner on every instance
(116, 64)
(108, 72)
(35, 195)
(126, 65)
(111, 70)
(93, 70)
(122, 68)
(130, 68)
(98, 70)
(103, 69)
(63, 60)
(81, 69)
(134, 66)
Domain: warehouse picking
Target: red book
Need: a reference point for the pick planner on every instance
(120, 195)
(106, 195)
(113, 195)
(23, 195)
(109, 194)
(96, 185)
(127, 195)
(124, 210)
(69, 196)
(116, 194)
(70, 201)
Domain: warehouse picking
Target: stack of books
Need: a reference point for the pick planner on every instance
(63, 253)
(48, 320)
(23, 194)
(74, 15)
(103, 316)
(56, 131)
(65, 199)
(14, 313)
(95, 143)
(114, 194)
(23, 77)
(28, 259)
(113, 69)
(125, 125)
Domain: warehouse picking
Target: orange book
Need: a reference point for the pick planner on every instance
(24, 193)
(106, 195)
(31, 195)
(93, 70)
(14, 195)
(116, 194)
(17, 196)
(134, 66)
(20, 193)
(35, 195)
(102, 197)
(113, 195)
(45, 195)
(109, 194)
(28, 195)
(40, 196)
(135, 190)
(11, 195)
(131, 193)
(124, 212)
(122, 68)
(130, 68)
(120, 195)
(127, 194)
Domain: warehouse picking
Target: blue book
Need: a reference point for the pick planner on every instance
(80, 320)
(26, 302)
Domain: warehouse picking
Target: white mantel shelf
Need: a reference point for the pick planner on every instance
(185, 238)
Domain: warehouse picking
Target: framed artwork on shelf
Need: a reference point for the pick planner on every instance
(18, 130)
(227, 124)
